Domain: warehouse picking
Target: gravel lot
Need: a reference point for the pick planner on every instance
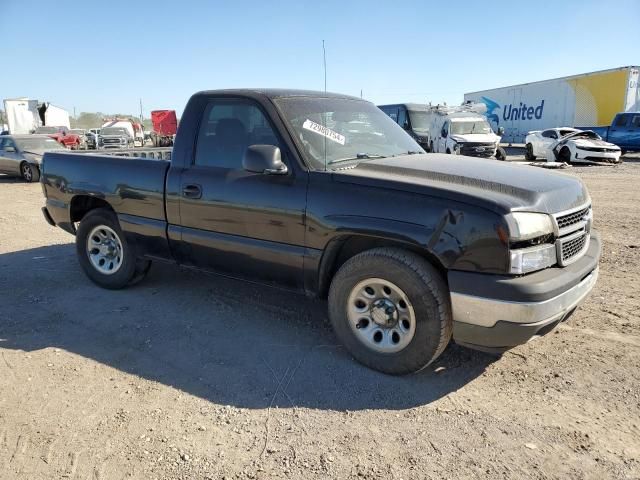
(188, 376)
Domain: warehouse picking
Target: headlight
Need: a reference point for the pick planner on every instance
(527, 225)
(531, 259)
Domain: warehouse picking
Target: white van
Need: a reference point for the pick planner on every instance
(463, 132)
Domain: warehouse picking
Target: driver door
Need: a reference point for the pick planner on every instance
(548, 140)
(235, 222)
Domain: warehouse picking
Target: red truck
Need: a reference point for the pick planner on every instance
(62, 136)
(165, 126)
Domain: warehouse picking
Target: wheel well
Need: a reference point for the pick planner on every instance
(342, 250)
(82, 204)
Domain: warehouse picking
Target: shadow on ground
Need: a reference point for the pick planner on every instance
(10, 179)
(225, 341)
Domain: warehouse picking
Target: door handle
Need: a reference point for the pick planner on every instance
(192, 191)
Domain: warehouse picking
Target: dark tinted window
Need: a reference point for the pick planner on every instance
(621, 121)
(392, 112)
(636, 121)
(549, 134)
(227, 128)
(402, 116)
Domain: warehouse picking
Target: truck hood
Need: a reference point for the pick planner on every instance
(498, 186)
(476, 137)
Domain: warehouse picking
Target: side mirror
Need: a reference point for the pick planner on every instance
(501, 131)
(443, 134)
(10, 149)
(265, 159)
(406, 125)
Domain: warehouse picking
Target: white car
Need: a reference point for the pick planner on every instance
(570, 145)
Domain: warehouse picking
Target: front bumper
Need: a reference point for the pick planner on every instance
(585, 156)
(500, 312)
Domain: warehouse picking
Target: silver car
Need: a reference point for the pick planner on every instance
(22, 154)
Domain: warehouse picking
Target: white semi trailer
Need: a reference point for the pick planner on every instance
(586, 100)
(24, 115)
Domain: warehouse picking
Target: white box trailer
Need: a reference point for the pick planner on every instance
(25, 115)
(586, 100)
(22, 115)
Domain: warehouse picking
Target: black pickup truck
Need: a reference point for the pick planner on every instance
(326, 195)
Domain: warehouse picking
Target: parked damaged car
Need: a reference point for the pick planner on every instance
(21, 155)
(570, 145)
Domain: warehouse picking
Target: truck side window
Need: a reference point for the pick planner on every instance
(621, 121)
(635, 122)
(227, 128)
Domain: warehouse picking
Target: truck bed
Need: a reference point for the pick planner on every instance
(131, 185)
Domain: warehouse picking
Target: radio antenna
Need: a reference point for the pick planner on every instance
(324, 60)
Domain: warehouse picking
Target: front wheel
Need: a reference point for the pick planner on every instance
(528, 153)
(104, 253)
(501, 154)
(565, 155)
(391, 310)
(30, 173)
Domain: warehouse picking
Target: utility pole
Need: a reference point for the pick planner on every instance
(141, 118)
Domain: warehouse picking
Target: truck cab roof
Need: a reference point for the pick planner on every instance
(273, 93)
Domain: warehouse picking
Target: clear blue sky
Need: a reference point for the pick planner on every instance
(106, 55)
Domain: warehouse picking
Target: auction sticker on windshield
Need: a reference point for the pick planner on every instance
(324, 131)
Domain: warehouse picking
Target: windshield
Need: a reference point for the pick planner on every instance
(38, 143)
(113, 131)
(332, 130)
(419, 120)
(46, 130)
(467, 127)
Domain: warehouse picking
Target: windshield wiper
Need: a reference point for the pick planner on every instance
(359, 156)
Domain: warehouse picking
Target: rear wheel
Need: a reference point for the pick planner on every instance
(104, 253)
(501, 153)
(528, 153)
(30, 173)
(391, 310)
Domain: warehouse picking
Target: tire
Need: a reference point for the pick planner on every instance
(431, 148)
(29, 173)
(422, 326)
(98, 228)
(528, 153)
(501, 154)
(564, 155)
(448, 152)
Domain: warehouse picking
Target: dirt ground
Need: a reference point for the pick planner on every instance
(188, 376)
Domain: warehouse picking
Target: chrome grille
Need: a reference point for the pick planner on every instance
(573, 230)
(572, 247)
(565, 221)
